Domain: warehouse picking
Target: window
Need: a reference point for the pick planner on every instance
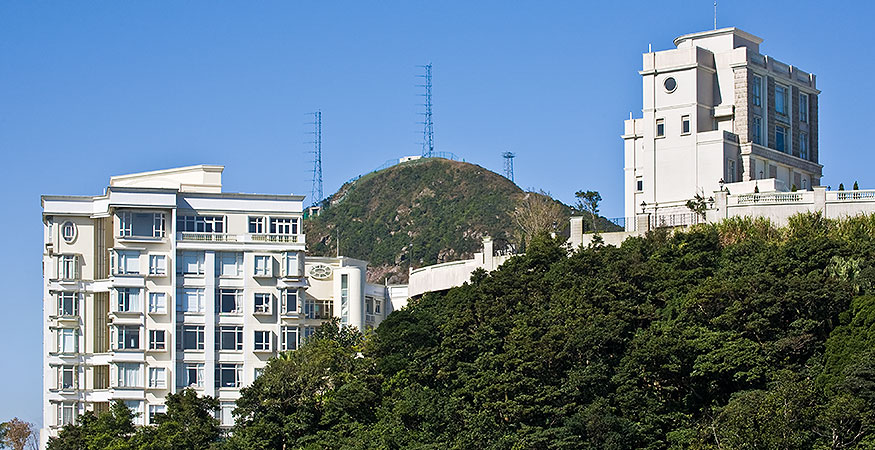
(128, 375)
(291, 265)
(256, 225)
(127, 262)
(307, 332)
(66, 413)
(68, 231)
(290, 301)
(228, 375)
(757, 91)
(127, 337)
(378, 306)
(230, 301)
(192, 375)
(262, 303)
(660, 127)
(148, 225)
(128, 300)
(68, 340)
(639, 184)
(259, 371)
(157, 302)
(316, 308)
(192, 263)
(157, 378)
(67, 265)
(157, 265)
(283, 225)
(262, 341)
(200, 224)
(263, 266)
(344, 299)
(157, 340)
(730, 171)
(229, 264)
(226, 416)
(780, 138)
(101, 376)
(289, 338)
(781, 106)
(229, 338)
(803, 145)
(670, 84)
(192, 337)
(136, 407)
(685, 124)
(191, 300)
(154, 410)
(66, 377)
(803, 107)
(758, 130)
(68, 303)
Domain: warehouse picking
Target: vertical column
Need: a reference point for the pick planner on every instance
(210, 318)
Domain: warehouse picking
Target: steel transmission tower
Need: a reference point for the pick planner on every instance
(508, 165)
(316, 191)
(428, 129)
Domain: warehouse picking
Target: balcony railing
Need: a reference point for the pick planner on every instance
(772, 197)
(206, 237)
(675, 220)
(851, 196)
(275, 237)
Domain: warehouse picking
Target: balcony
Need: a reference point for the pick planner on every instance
(277, 237)
(224, 237)
(206, 237)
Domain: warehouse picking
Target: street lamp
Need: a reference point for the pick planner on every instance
(643, 205)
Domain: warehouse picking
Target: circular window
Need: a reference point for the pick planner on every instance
(670, 84)
(68, 231)
(320, 271)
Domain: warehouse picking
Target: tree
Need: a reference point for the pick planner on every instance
(698, 205)
(856, 186)
(189, 422)
(589, 201)
(18, 434)
(841, 186)
(537, 213)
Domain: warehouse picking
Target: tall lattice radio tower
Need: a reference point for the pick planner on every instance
(428, 124)
(508, 165)
(316, 191)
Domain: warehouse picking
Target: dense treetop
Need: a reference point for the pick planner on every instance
(731, 336)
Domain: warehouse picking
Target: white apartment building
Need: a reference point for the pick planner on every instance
(717, 112)
(165, 282)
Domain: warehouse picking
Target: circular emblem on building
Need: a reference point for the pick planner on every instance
(320, 271)
(670, 84)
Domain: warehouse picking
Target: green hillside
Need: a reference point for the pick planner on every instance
(425, 212)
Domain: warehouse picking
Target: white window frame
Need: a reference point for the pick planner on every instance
(185, 303)
(291, 264)
(236, 332)
(126, 225)
(757, 130)
(260, 306)
(660, 132)
(68, 267)
(156, 344)
(129, 375)
(200, 335)
(68, 231)
(157, 265)
(287, 332)
(189, 261)
(187, 369)
(68, 335)
(71, 409)
(121, 335)
(154, 410)
(237, 294)
(201, 224)
(127, 300)
(284, 226)
(157, 303)
(157, 378)
(73, 371)
(61, 298)
(287, 296)
(686, 121)
(263, 341)
(136, 407)
(224, 261)
(237, 369)
(257, 225)
(262, 266)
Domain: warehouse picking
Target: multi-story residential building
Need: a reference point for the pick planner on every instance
(717, 112)
(165, 282)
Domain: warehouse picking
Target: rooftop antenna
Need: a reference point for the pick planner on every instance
(715, 14)
(508, 165)
(316, 191)
(428, 129)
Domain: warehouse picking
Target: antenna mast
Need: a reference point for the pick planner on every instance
(508, 165)
(715, 14)
(316, 191)
(428, 129)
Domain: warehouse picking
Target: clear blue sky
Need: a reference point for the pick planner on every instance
(93, 89)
